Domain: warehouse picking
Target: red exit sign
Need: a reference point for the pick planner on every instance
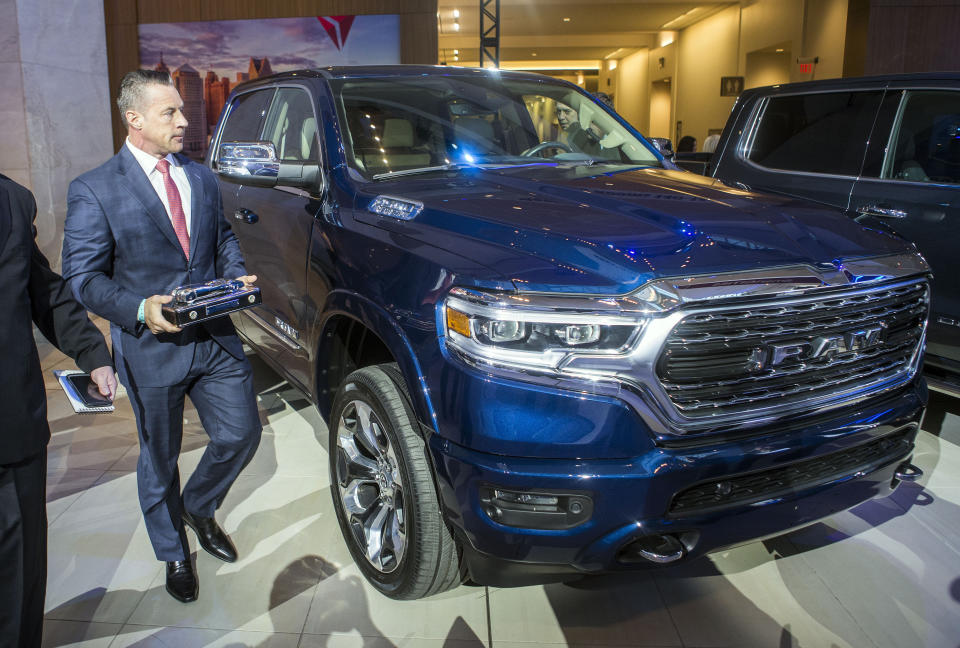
(806, 68)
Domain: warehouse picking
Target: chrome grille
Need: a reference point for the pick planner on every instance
(717, 362)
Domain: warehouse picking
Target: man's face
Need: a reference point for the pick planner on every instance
(565, 116)
(158, 126)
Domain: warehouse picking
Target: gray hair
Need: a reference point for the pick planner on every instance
(131, 89)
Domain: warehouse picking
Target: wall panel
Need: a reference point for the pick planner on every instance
(913, 36)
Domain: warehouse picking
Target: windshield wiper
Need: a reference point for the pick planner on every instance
(453, 166)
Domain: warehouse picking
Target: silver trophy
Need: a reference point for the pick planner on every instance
(200, 302)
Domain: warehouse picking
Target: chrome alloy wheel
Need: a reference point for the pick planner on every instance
(370, 486)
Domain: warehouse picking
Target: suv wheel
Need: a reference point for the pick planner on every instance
(383, 490)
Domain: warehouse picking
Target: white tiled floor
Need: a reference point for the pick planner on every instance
(886, 574)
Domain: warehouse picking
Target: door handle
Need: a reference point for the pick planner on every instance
(245, 215)
(882, 212)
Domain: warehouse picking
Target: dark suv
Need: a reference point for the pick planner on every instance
(539, 352)
(886, 149)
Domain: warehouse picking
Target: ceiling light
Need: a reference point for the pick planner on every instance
(681, 16)
(456, 58)
(456, 13)
(533, 53)
(456, 25)
(779, 49)
(455, 52)
(566, 20)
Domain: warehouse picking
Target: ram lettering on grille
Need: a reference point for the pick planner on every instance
(824, 347)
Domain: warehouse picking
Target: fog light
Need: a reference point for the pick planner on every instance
(527, 498)
(536, 510)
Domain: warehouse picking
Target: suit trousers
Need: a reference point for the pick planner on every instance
(23, 551)
(221, 388)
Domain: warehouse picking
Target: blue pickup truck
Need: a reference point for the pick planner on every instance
(542, 352)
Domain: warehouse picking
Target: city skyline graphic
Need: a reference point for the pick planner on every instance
(207, 59)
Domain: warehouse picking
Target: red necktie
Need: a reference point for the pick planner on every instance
(176, 207)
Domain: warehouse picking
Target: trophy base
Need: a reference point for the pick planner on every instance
(209, 308)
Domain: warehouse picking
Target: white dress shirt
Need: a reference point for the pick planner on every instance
(149, 165)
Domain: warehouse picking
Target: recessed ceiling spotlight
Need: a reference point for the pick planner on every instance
(456, 13)
(779, 49)
(566, 20)
(533, 53)
(455, 52)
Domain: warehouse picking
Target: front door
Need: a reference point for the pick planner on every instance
(275, 226)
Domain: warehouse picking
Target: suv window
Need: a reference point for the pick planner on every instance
(926, 145)
(247, 114)
(292, 126)
(813, 132)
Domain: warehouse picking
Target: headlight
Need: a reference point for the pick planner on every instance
(535, 332)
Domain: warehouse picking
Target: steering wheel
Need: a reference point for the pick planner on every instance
(549, 144)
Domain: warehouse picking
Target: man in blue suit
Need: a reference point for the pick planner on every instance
(145, 222)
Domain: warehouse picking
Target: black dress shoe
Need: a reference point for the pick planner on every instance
(212, 538)
(181, 581)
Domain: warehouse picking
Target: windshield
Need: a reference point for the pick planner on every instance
(430, 123)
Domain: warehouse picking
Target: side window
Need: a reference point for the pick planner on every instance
(247, 114)
(817, 133)
(926, 143)
(292, 126)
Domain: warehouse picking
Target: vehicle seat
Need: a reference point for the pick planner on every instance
(308, 139)
(943, 149)
(905, 167)
(474, 134)
(398, 146)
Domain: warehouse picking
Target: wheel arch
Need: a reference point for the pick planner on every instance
(354, 333)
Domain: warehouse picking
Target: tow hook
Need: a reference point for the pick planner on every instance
(908, 472)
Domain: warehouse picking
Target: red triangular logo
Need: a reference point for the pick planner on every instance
(337, 28)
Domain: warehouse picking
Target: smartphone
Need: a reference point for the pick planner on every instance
(87, 391)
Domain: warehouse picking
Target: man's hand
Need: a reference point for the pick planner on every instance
(153, 315)
(105, 380)
(248, 280)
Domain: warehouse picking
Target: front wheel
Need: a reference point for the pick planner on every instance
(383, 491)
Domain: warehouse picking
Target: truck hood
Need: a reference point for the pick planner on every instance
(605, 230)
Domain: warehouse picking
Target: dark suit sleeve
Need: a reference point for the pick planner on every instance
(229, 257)
(88, 249)
(59, 317)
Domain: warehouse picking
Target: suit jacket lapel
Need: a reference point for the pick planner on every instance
(197, 215)
(136, 182)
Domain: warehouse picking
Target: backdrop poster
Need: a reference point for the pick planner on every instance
(207, 59)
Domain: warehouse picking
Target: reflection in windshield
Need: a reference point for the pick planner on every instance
(406, 125)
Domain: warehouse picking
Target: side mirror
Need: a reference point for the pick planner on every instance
(256, 164)
(253, 163)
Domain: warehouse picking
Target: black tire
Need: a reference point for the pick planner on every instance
(413, 553)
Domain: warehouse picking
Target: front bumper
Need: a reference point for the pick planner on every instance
(632, 497)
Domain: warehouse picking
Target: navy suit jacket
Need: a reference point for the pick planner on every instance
(32, 293)
(119, 248)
